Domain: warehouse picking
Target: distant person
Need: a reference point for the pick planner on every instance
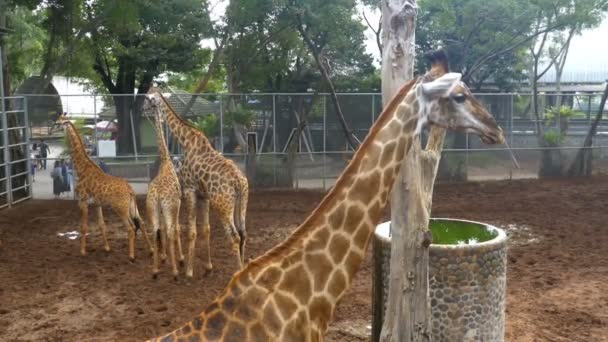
(57, 179)
(44, 151)
(65, 176)
(103, 166)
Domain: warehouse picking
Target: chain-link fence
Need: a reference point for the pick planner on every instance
(267, 126)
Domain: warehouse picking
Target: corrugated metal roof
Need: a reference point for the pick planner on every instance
(178, 99)
(596, 75)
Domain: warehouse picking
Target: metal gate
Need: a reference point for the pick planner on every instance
(15, 163)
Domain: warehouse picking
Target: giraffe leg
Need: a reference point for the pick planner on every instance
(163, 237)
(143, 232)
(128, 222)
(206, 232)
(190, 197)
(102, 226)
(178, 236)
(153, 219)
(226, 213)
(84, 218)
(169, 215)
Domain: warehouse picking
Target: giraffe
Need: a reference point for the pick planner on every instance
(290, 292)
(100, 189)
(206, 175)
(163, 199)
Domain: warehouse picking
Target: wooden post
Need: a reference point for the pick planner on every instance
(408, 313)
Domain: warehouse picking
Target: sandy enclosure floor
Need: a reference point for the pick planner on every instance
(557, 275)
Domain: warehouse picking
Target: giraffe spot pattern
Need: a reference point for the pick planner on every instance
(337, 283)
(287, 307)
(214, 326)
(296, 329)
(320, 311)
(353, 218)
(338, 246)
(337, 216)
(297, 282)
(320, 267)
(235, 332)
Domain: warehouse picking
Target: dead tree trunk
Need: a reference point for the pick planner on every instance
(582, 163)
(408, 314)
(348, 132)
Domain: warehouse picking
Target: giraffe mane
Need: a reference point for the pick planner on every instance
(290, 242)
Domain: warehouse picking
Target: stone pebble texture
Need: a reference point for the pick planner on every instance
(467, 290)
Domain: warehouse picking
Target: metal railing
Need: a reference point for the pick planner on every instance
(19, 143)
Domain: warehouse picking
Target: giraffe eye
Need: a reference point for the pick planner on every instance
(459, 98)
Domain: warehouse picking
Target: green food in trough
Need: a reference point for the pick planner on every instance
(449, 232)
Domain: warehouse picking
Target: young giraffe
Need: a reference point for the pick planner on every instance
(100, 189)
(217, 181)
(290, 293)
(164, 198)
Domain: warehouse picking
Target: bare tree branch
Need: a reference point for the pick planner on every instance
(348, 133)
(377, 32)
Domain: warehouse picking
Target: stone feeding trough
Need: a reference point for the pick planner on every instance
(467, 280)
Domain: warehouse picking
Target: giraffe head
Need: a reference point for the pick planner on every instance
(62, 120)
(446, 101)
(152, 104)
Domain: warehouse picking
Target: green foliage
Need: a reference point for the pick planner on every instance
(553, 137)
(208, 124)
(266, 52)
(25, 45)
(80, 126)
(239, 116)
(564, 112)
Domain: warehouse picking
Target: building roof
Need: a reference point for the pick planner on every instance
(178, 100)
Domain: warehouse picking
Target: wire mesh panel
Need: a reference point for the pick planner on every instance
(552, 128)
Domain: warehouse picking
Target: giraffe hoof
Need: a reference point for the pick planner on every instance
(155, 276)
(181, 263)
(132, 259)
(175, 278)
(107, 249)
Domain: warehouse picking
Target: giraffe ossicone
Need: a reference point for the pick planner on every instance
(290, 293)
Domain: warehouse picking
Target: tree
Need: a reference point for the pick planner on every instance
(140, 40)
(408, 311)
(570, 18)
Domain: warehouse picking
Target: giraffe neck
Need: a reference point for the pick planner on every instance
(82, 161)
(319, 260)
(160, 139)
(188, 136)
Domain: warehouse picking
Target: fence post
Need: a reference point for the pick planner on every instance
(133, 131)
(274, 123)
(324, 141)
(221, 126)
(95, 122)
(511, 120)
(7, 155)
(27, 134)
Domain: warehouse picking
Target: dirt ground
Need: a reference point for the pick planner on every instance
(557, 271)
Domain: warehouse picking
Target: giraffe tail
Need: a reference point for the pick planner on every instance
(240, 211)
(134, 214)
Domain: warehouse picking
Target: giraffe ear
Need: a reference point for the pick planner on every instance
(441, 86)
